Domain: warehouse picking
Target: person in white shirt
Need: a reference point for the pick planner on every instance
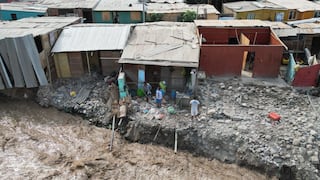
(194, 107)
(158, 97)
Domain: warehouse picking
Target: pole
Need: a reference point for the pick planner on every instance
(143, 12)
(113, 122)
(175, 141)
(88, 62)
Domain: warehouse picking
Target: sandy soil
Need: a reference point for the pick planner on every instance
(39, 143)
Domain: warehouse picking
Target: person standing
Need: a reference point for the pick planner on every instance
(194, 107)
(163, 87)
(147, 90)
(158, 97)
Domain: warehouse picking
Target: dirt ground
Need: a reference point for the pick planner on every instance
(44, 143)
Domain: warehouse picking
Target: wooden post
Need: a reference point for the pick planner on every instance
(88, 63)
(113, 122)
(175, 141)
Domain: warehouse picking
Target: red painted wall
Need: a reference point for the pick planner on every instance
(306, 76)
(226, 60)
(222, 35)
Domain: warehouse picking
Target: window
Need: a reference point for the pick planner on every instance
(292, 15)
(279, 16)
(106, 16)
(14, 17)
(250, 16)
(317, 14)
(135, 16)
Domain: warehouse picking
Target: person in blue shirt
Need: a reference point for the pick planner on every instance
(194, 107)
(158, 97)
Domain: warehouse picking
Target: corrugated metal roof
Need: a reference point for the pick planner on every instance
(231, 23)
(35, 26)
(163, 44)
(69, 4)
(284, 30)
(166, 1)
(116, 5)
(300, 5)
(92, 38)
(21, 60)
(21, 6)
(180, 7)
(243, 6)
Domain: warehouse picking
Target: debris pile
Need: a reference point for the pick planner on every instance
(89, 96)
(234, 127)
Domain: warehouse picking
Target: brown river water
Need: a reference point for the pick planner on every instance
(44, 143)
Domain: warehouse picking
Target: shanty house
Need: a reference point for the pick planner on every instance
(14, 11)
(25, 46)
(79, 8)
(298, 9)
(239, 47)
(262, 10)
(161, 51)
(113, 11)
(84, 48)
(173, 11)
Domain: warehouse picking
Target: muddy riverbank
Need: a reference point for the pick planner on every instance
(44, 143)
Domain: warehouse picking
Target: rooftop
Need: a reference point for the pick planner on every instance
(35, 26)
(21, 6)
(69, 4)
(243, 6)
(116, 5)
(180, 7)
(92, 37)
(163, 44)
(300, 5)
(231, 23)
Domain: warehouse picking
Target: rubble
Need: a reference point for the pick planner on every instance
(90, 96)
(233, 125)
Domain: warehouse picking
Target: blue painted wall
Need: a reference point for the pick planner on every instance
(124, 17)
(5, 15)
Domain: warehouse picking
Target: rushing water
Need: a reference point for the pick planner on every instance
(41, 143)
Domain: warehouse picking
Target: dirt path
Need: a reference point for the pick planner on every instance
(38, 143)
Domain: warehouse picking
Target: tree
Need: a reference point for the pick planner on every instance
(188, 16)
(155, 17)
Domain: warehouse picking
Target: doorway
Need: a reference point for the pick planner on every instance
(248, 63)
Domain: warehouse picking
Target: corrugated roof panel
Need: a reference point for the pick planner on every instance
(231, 23)
(180, 7)
(243, 6)
(91, 38)
(116, 5)
(69, 4)
(14, 63)
(25, 62)
(4, 74)
(32, 54)
(23, 6)
(300, 5)
(36, 26)
(163, 44)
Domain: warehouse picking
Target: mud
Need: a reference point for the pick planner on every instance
(44, 143)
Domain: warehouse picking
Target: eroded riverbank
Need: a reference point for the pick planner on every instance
(41, 143)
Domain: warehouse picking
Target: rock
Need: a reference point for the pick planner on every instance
(314, 159)
(296, 142)
(313, 132)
